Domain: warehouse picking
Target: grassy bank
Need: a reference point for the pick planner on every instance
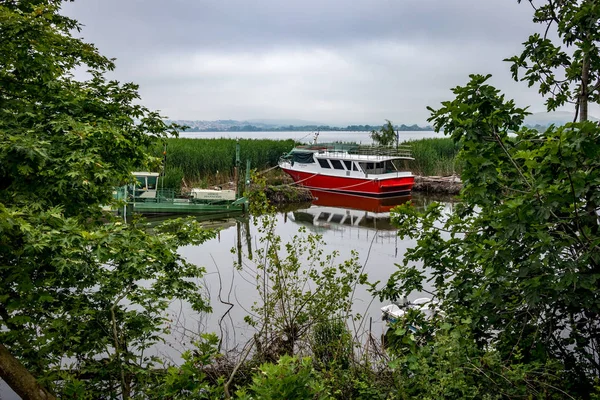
(206, 162)
(433, 157)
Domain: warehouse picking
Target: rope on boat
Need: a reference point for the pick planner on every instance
(295, 183)
(267, 170)
(343, 187)
(350, 186)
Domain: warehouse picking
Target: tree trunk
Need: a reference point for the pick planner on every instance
(19, 379)
(583, 99)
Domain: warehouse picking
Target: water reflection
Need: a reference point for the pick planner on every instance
(342, 211)
(346, 223)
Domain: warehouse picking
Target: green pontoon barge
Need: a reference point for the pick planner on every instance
(145, 197)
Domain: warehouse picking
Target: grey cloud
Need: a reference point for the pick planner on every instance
(239, 24)
(352, 61)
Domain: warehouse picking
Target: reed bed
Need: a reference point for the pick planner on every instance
(212, 161)
(433, 157)
(209, 162)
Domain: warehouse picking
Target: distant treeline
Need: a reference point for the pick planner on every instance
(309, 128)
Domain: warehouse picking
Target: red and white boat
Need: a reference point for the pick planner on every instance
(350, 168)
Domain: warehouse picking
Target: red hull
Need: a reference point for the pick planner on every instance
(366, 187)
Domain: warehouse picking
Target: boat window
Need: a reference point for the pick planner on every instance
(323, 162)
(152, 182)
(373, 168)
(390, 166)
(337, 164)
(355, 167)
(324, 216)
(348, 164)
(141, 182)
(336, 218)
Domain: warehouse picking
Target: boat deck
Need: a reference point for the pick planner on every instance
(165, 202)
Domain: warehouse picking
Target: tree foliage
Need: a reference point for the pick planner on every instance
(567, 74)
(519, 257)
(385, 136)
(82, 294)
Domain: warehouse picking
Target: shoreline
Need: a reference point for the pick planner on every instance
(438, 184)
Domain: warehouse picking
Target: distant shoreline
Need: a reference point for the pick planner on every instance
(363, 137)
(303, 129)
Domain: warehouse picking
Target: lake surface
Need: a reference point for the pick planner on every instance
(346, 223)
(333, 136)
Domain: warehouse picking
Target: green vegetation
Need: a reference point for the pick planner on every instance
(205, 162)
(82, 295)
(211, 161)
(385, 136)
(516, 266)
(434, 157)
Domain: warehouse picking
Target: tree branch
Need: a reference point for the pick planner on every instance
(20, 379)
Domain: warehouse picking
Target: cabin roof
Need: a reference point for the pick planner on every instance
(145, 173)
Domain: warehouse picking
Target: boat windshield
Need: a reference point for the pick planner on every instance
(381, 167)
(152, 182)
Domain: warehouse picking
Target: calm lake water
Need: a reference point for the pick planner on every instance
(346, 223)
(359, 137)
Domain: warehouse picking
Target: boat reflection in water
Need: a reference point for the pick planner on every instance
(336, 211)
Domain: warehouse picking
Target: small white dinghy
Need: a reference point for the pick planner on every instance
(392, 312)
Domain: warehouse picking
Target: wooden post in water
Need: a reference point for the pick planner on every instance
(239, 242)
(248, 236)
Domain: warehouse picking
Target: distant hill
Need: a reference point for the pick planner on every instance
(549, 118)
(285, 122)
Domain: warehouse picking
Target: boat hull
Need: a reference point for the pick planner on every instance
(388, 187)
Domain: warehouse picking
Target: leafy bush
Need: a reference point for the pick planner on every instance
(290, 378)
(332, 343)
(451, 365)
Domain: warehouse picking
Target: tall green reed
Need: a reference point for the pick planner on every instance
(212, 161)
(435, 156)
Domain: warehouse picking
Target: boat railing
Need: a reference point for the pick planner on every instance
(401, 151)
(165, 195)
(162, 196)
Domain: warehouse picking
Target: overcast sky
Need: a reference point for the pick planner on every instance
(329, 61)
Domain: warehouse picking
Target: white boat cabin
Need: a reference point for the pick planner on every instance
(343, 163)
(146, 184)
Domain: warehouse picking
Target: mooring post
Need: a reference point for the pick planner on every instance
(247, 172)
(236, 169)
